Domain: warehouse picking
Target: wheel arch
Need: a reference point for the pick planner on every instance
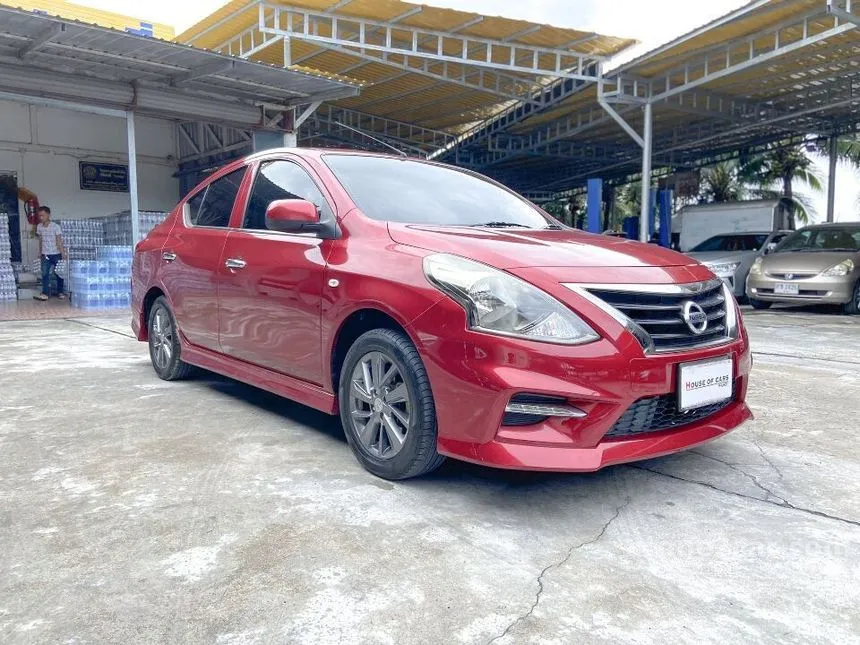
(149, 299)
(354, 325)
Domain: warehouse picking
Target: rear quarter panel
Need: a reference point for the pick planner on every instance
(144, 270)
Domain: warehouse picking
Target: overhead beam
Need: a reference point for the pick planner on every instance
(41, 39)
(724, 62)
(294, 22)
(209, 69)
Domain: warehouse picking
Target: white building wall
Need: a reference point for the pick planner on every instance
(44, 146)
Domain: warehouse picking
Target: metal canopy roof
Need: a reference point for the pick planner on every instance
(53, 58)
(773, 70)
(442, 69)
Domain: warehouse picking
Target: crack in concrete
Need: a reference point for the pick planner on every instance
(736, 467)
(97, 327)
(556, 565)
(766, 458)
(784, 504)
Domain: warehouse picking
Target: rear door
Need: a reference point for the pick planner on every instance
(271, 283)
(191, 256)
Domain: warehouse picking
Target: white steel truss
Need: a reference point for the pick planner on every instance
(366, 35)
(502, 67)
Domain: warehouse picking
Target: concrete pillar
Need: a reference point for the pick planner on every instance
(132, 178)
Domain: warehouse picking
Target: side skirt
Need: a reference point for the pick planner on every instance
(280, 384)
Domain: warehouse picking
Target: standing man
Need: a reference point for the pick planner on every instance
(51, 251)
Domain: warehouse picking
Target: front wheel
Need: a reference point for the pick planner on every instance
(387, 408)
(853, 308)
(164, 348)
(759, 304)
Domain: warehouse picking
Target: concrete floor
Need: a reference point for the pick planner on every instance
(137, 511)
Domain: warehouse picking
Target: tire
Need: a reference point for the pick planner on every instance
(853, 308)
(383, 380)
(759, 304)
(164, 347)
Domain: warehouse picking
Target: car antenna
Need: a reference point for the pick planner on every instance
(362, 132)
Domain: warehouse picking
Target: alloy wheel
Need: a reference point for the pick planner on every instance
(380, 405)
(162, 339)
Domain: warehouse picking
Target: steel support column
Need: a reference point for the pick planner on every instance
(132, 178)
(645, 213)
(831, 178)
(594, 203)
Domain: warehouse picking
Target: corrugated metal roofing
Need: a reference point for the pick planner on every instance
(100, 17)
(75, 57)
(398, 93)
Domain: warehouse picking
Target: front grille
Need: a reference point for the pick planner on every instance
(791, 276)
(660, 313)
(656, 413)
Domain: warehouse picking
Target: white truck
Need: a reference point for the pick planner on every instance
(692, 225)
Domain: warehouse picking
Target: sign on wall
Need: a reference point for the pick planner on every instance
(107, 177)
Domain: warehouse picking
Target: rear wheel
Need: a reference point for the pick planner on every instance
(759, 304)
(387, 408)
(164, 348)
(853, 308)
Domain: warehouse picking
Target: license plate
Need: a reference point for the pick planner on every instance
(786, 289)
(704, 383)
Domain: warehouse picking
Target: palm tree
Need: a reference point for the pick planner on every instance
(772, 175)
(722, 183)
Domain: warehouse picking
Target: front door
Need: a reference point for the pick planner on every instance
(271, 283)
(191, 256)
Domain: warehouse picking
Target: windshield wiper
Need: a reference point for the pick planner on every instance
(498, 225)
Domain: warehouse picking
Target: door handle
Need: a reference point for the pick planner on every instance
(235, 263)
(168, 256)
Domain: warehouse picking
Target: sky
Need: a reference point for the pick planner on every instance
(652, 22)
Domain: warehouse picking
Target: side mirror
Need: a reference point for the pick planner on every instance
(293, 216)
(770, 248)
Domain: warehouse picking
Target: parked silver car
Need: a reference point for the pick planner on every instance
(730, 255)
(816, 265)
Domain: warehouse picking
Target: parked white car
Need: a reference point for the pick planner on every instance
(731, 255)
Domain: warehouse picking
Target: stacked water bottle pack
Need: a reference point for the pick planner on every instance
(82, 237)
(8, 285)
(103, 283)
(117, 227)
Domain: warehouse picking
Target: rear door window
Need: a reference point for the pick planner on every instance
(216, 202)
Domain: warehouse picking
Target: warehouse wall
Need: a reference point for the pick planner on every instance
(44, 145)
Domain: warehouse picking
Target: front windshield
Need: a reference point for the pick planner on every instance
(831, 238)
(750, 242)
(402, 190)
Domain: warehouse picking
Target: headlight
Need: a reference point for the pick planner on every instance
(499, 303)
(725, 269)
(842, 269)
(755, 269)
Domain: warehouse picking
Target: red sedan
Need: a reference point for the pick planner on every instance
(439, 314)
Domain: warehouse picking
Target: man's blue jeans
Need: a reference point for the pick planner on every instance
(48, 264)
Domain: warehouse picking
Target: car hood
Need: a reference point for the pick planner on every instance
(516, 248)
(805, 261)
(721, 257)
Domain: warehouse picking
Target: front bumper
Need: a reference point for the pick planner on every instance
(833, 291)
(474, 376)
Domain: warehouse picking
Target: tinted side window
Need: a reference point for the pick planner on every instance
(217, 203)
(194, 205)
(281, 180)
